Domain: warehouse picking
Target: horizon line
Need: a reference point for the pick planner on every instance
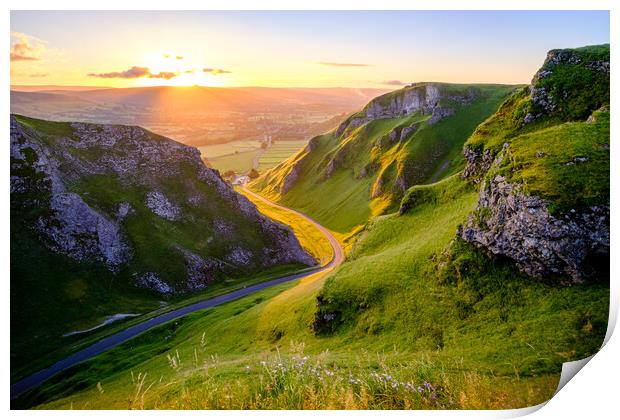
(387, 87)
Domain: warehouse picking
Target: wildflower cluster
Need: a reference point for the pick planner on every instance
(301, 375)
(426, 390)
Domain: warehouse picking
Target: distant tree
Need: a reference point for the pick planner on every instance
(229, 174)
(253, 174)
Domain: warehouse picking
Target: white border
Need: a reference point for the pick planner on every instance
(592, 393)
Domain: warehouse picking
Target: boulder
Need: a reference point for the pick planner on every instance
(509, 223)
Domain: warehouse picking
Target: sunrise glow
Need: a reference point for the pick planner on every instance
(287, 48)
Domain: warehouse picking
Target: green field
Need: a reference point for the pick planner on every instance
(279, 152)
(216, 150)
(240, 156)
(240, 162)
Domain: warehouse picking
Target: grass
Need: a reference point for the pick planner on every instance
(240, 162)
(567, 164)
(57, 347)
(52, 128)
(560, 157)
(279, 152)
(493, 339)
(310, 238)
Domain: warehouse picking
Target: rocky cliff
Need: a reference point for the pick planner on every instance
(408, 137)
(426, 98)
(143, 206)
(542, 163)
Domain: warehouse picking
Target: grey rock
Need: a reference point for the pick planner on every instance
(154, 282)
(82, 233)
(161, 206)
(529, 117)
(424, 98)
(336, 162)
(195, 200)
(240, 256)
(222, 227)
(201, 271)
(291, 178)
(285, 247)
(478, 163)
(124, 209)
(439, 114)
(406, 131)
(513, 224)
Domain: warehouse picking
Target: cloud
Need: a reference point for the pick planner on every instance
(179, 57)
(134, 73)
(26, 47)
(393, 83)
(332, 64)
(163, 75)
(215, 72)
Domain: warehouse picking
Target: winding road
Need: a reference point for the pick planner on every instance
(114, 340)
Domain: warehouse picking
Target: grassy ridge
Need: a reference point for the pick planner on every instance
(370, 165)
(562, 155)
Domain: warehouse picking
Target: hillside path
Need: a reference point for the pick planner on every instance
(115, 339)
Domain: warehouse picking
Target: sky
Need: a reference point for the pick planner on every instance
(303, 49)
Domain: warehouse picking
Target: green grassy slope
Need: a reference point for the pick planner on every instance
(367, 180)
(484, 338)
(53, 294)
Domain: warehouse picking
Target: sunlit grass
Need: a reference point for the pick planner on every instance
(309, 236)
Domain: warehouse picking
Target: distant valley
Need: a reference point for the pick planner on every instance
(199, 116)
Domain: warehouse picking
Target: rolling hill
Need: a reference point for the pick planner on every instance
(363, 168)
